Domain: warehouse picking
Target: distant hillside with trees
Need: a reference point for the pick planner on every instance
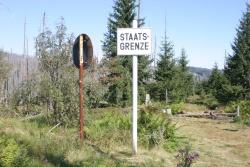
(200, 73)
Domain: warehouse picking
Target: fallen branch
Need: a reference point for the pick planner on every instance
(53, 128)
(211, 114)
(32, 117)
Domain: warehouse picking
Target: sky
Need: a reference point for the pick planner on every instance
(205, 28)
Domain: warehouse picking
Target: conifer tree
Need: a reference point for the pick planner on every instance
(183, 62)
(220, 87)
(215, 81)
(237, 68)
(165, 70)
(119, 74)
(183, 80)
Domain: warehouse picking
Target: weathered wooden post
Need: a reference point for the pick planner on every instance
(166, 96)
(238, 111)
(147, 100)
(82, 58)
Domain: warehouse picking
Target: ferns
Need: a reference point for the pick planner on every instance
(155, 128)
(11, 154)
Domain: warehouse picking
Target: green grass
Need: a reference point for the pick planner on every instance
(107, 141)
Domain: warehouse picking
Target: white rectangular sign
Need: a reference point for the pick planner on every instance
(134, 41)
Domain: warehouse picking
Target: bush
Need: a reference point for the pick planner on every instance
(244, 111)
(231, 107)
(24, 100)
(177, 107)
(94, 89)
(209, 101)
(193, 99)
(155, 129)
(11, 154)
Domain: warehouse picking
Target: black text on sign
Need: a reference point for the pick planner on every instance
(133, 41)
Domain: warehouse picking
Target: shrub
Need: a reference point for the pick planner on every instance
(244, 111)
(193, 99)
(11, 154)
(177, 107)
(94, 89)
(155, 128)
(231, 107)
(24, 99)
(209, 101)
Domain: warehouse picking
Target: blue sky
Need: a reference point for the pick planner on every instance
(205, 28)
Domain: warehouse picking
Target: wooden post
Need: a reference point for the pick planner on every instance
(166, 96)
(147, 100)
(238, 111)
(81, 87)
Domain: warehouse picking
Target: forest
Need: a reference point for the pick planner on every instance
(39, 103)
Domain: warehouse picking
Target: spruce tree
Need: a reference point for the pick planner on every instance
(220, 87)
(183, 62)
(237, 68)
(215, 82)
(183, 80)
(165, 71)
(119, 73)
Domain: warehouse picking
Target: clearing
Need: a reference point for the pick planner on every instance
(220, 143)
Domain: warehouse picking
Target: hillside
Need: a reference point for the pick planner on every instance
(22, 69)
(200, 73)
(19, 69)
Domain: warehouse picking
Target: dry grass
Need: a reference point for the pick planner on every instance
(193, 108)
(219, 143)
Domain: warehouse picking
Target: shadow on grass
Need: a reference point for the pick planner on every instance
(231, 130)
(92, 161)
(125, 153)
(113, 157)
(57, 160)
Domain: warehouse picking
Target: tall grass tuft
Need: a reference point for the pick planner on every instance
(156, 129)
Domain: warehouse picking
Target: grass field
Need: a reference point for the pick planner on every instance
(219, 143)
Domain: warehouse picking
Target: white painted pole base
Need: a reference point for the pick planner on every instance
(135, 93)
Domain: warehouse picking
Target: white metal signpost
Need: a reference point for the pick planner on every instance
(134, 41)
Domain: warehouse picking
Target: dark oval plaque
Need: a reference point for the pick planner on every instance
(87, 51)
